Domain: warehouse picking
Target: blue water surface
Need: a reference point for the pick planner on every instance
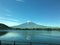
(44, 37)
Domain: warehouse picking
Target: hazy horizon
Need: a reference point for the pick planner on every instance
(42, 12)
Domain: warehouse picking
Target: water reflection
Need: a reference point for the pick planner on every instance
(33, 35)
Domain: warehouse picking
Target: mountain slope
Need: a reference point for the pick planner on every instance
(3, 26)
(29, 25)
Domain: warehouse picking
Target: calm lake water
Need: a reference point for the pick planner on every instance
(42, 36)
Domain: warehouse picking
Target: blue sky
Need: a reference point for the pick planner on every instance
(43, 12)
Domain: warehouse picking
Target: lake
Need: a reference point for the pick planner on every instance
(42, 36)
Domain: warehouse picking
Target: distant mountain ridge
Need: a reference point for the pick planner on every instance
(29, 25)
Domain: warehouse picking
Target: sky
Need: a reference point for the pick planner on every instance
(42, 12)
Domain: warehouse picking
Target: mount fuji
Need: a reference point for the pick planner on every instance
(29, 25)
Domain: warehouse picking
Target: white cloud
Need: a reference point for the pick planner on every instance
(20, 0)
(29, 21)
(9, 23)
(12, 19)
(8, 15)
(9, 19)
(2, 17)
(7, 10)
